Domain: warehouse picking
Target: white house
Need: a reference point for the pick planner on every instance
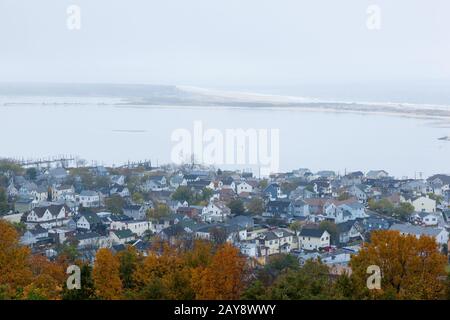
(40, 194)
(276, 241)
(313, 239)
(32, 236)
(89, 199)
(249, 249)
(137, 212)
(120, 190)
(138, 227)
(93, 240)
(377, 174)
(118, 179)
(425, 218)
(358, 193)
(49, 216)
(88, 221)
(243, 187)
(155, 183)
(215, 211)
(66, 193)
(423, 204)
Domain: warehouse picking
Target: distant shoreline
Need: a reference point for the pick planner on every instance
(184, 97)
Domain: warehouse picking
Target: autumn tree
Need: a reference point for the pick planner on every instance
(15, 272)
(106, 275)
(411, 267)
(163, 276)
(223, 278)
(200, 255)
(48, 279)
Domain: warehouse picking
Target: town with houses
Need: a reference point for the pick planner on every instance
(311, 215)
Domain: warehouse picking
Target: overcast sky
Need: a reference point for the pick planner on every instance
(225, 42)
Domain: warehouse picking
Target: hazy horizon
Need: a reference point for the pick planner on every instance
(228, 44)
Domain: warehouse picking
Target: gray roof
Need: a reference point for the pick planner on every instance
(416, 230)
(273, 234)
(345, 226)
(88, 193)
(87, 235)
(311, 232)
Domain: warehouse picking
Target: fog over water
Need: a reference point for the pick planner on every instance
(111, 131)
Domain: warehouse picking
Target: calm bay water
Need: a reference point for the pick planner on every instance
(114, 134)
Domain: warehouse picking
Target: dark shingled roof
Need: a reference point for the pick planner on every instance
(310, 232)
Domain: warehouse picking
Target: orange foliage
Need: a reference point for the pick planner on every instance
(106, 276)
(411, 268)
(15, 271)
(48, 279)
(223, 278)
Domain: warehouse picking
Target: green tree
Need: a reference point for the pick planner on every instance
(255, 206)
(295, 226)
(6, 165)
(383, 206)
(276, 265)
(263, 184)
(161, 210)
(87, 290)
(129, 260)
(331, 228)
(288, 186)
(137, 197)
(31, 173)
(206, 194)
(236, 206)
(310, 282)
(69, 252)
(183, 193)
(115, 204)
(255, 291)
(4, 206)
(403, 211)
